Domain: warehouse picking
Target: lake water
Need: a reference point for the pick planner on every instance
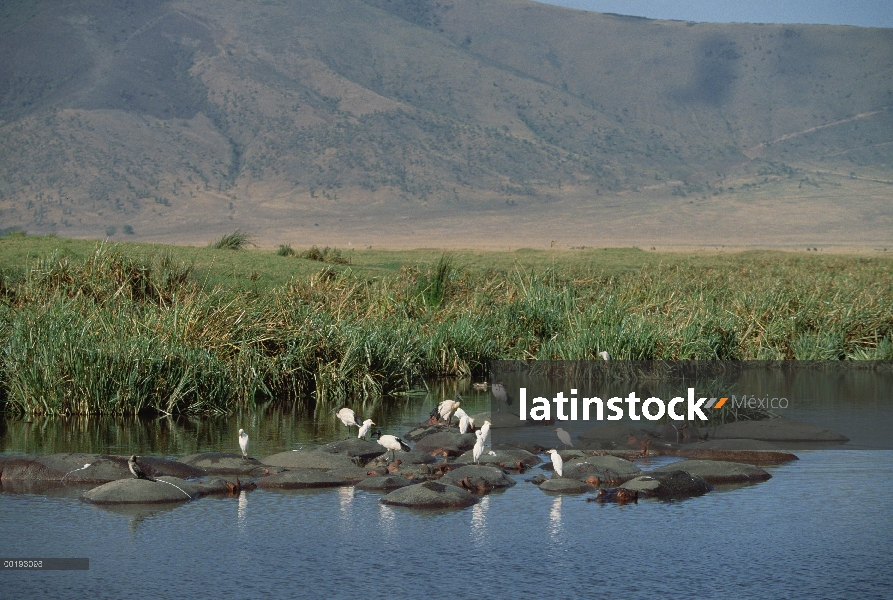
(821, 527)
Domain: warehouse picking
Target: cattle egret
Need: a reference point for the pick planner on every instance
(367, 424)
(391, 442)
(478, 449)
(349, 418)
(243, 442)
(564, 436)
(460, 413)
(557, 463)
(136, 470)
(465, 423)
(485, 431)
(604, 355)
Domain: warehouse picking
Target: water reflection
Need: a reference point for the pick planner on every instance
(555, 529)
(387, 521)
(345, 505)
(137, 514)
(479, 535)
(242, 511)
(271, 428)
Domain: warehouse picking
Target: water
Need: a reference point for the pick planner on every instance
(852, 398)
(821, 527)
(271, 430)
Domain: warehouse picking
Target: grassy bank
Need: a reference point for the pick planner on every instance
(93, 328)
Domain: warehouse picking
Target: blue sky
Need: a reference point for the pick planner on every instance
(865, 13)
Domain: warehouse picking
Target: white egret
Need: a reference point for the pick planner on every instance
(557, 463)
(485, 431)
(367, 424)
(348, 417)
(604, 355)
(243, 442)
(465, 423)
(564, 436)
(391, 442)
(460, 413)
(478, 449)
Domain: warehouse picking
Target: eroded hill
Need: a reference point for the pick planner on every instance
(385, 119)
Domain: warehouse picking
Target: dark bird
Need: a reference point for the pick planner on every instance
(564, 436)
(136, 470)
(644, 446)
(501, 395)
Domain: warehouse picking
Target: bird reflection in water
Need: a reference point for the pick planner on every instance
(479, 521)
(345, 503)
(386, 520)
(242, 513)
(134, 523)
(555, 518)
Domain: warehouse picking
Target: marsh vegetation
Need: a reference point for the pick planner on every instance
(123, 329)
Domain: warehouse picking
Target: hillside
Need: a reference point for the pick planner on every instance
(465, 122)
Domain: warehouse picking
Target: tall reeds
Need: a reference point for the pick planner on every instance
(237, 240)
(115, 334)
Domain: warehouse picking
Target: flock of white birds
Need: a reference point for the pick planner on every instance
(446, 410)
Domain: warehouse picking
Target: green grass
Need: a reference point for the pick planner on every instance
(237, 240)
(329, 255)
(131, 328)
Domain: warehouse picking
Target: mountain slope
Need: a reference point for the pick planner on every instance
(187, 119)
